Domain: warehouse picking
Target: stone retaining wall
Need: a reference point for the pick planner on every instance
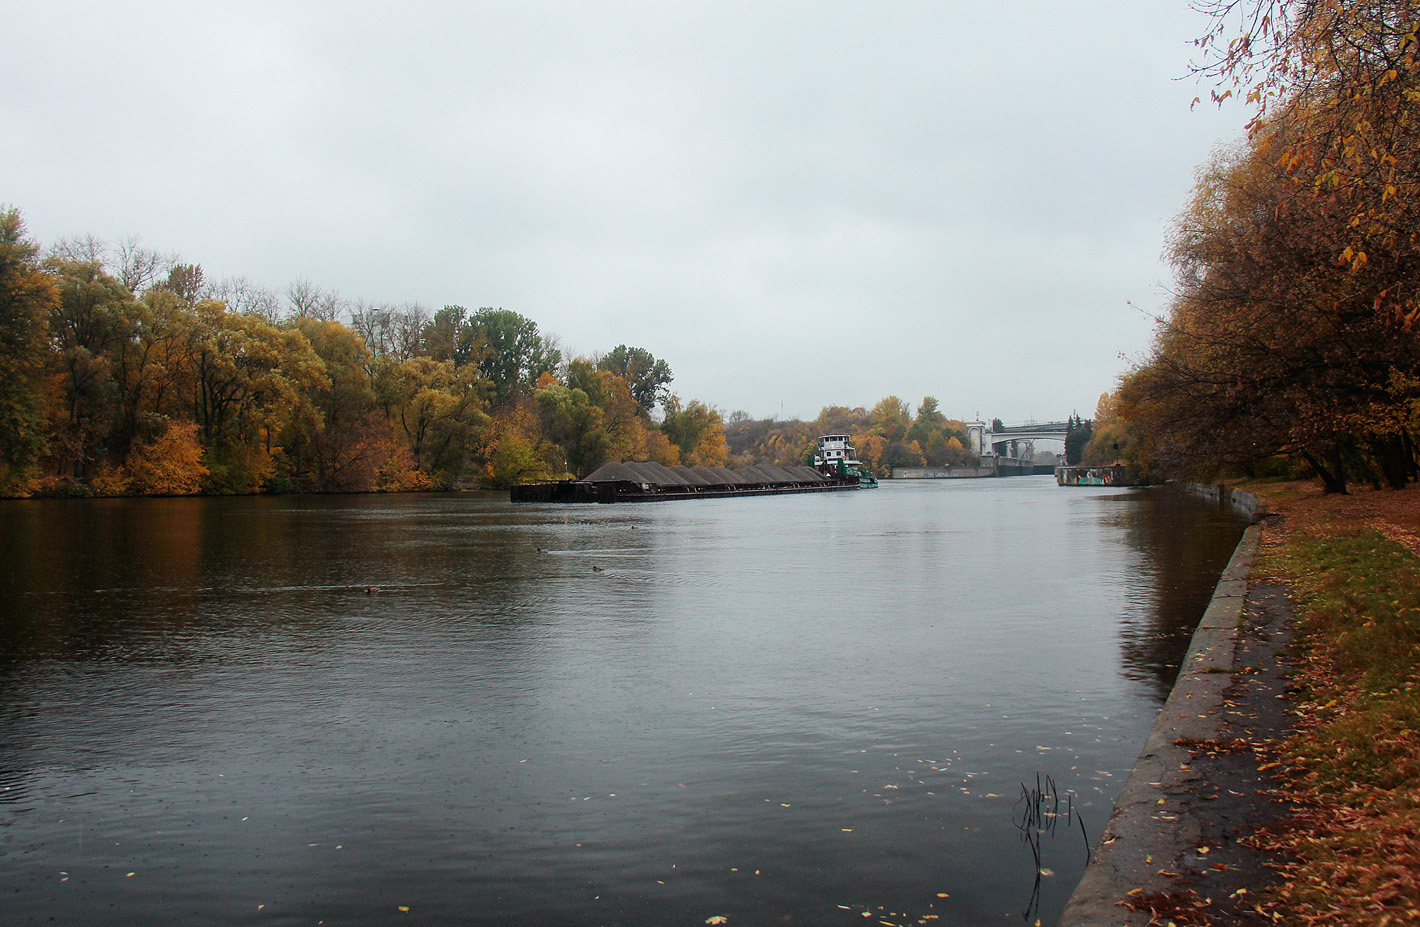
(1244, 503)
(1142, 837)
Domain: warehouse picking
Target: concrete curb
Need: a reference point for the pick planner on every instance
(1149, 829)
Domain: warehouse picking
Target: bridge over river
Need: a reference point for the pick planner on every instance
(1007, 440)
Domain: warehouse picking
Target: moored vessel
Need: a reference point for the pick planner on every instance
(836, 455)
(652, 482)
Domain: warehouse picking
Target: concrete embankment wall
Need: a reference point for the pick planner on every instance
(940, 473)
(1140, 838)
(1245, 504)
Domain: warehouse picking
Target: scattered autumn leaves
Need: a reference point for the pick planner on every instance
(1352, 773)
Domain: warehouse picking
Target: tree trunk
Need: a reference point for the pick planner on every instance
(1390, 454)
(1333, 480)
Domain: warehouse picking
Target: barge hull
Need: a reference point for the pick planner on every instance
(651, 482)
(575, 491)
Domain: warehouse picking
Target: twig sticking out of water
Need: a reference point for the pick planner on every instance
(1037, 815)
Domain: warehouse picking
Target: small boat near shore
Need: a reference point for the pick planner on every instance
(1114, 475)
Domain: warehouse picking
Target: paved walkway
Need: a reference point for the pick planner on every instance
(1176, 848)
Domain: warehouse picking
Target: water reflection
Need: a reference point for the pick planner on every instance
(804, 707)
(1178, 537)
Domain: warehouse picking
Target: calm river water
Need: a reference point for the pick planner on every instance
(446, 709)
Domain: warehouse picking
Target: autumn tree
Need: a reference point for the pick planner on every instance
(625, 426)
(928, 413)
(249, 379)
(933, 433)
(141, 376)
(439, 410)
(1278, 340)
(697, 431)
(121, 365)
(152, 367)
(1335, 85)
(1112, 439)
(842, 420)
(649, 379)
(572, 421)
(168, 465)
(891, 418)
(771, 441)
(336, 442)
(187, 282)
(956, 452)
(871, 448)
(904, 454)
(515, 451)
(90, 322)
(1293, 331)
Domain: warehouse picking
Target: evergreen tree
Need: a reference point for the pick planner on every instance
(1078, 432)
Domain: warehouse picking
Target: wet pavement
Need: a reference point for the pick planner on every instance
(1180, 846)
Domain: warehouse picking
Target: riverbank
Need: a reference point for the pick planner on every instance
(1282, 779)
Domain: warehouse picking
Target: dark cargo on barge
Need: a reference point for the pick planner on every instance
(653, 482)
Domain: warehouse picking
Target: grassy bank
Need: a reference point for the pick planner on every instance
(1352, 772)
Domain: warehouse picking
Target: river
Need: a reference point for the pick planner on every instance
(820, 709)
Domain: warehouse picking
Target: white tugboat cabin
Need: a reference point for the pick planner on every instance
(835, 449)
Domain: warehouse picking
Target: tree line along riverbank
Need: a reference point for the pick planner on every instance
(1291, 343)
(124, 371)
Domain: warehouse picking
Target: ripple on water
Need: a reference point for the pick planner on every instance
(808, 707)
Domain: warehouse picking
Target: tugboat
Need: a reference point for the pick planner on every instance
(835, 455)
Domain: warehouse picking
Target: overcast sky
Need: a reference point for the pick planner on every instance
(794, 204)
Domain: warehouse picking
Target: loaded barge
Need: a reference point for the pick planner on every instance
(653, 482)
(835, 469)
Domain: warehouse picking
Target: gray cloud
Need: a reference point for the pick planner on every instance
(797, 203)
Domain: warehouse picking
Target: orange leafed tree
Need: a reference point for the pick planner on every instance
(169, 466)
(1294, 327)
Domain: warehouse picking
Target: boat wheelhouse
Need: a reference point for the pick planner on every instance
(835, 449)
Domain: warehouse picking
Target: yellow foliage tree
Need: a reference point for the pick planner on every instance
(870, 450)
(400, 472)
(659, 449)
(109, 480)
(171, 465)
(957, 454)
(712, 450)
(516, 451)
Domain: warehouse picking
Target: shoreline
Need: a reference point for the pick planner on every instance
(1176, 843)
